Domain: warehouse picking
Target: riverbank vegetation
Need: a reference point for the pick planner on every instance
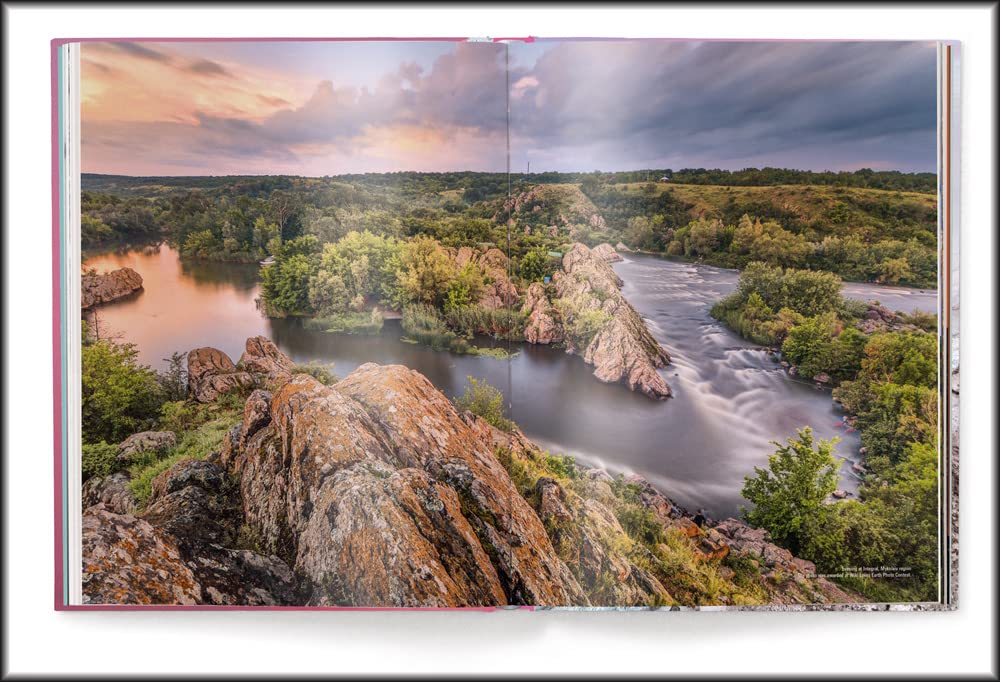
(884, 367)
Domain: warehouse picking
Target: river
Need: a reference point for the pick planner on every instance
(730, 398)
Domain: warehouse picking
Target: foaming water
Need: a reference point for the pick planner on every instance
(730, 398)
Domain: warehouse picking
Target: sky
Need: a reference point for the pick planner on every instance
(327, 108)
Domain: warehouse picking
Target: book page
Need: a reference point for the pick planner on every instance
(298, 311)
(741, 241)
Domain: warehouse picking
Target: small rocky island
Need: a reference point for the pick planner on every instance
(621, 349)
(377, 491)
(111, 286)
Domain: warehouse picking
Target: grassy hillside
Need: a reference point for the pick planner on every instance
(811, 209)
(860, 234)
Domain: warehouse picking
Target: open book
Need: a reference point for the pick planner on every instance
(505, 323)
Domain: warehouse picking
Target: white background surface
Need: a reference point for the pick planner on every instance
(41, 640)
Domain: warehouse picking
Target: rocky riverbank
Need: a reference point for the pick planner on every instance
(97, 289)
(377, 491)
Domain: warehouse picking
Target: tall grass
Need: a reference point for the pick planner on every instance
(501, 323)
(364, 323)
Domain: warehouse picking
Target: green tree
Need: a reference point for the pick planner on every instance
(285, 285)
(810, 292)
(769, 242)
(810, 344)
(174, 381)
(902, 358)
(328, 294)
(262, 234)
(426, 270)
(466, 288)
(201, 244)
(94, 230)
(704, 237)
(789, 493)
(366, 263)
(119, 396)
(534, 265)
(895, 270)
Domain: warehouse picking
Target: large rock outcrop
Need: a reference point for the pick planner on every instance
(607, 253)
(540, 326)
(877, 318)
(97, 289)
(265, 362)
(623, 349)
(179, 549)
(113, 491)
(377, 492)
(128, 561)
(498, 291)
(212, 373)
(141, 443)
(790, 580)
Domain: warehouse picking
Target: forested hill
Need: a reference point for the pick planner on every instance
(865, 178)
(858, 232)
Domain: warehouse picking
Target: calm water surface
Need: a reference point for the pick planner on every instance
(730, 398)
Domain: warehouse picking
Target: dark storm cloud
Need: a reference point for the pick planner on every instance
(813, 105)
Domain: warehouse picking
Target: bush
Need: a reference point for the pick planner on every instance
(789, 493)
(99, 459)
(640, 523)
(580, 325)
(178, 415)
(922, 320)
(119, 396)
(535, 265)
(466, 288)
(563, 466)
(810, 344)
(485, 401)
(806, 292)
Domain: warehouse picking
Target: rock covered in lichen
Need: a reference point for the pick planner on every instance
(111, 286)
(623, 349)
(379, 493)
(541, 326)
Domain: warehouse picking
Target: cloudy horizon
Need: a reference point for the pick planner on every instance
(332, 108)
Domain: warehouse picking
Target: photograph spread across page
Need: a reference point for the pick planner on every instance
(542, 323)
